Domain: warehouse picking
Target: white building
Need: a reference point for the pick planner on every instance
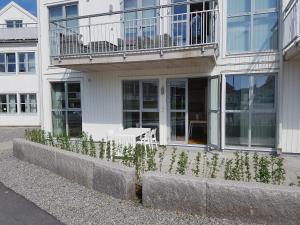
(19, 79)
(204, 72)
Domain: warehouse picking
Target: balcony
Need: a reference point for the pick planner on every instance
(148, 37)
(27, 32)
(291, 34)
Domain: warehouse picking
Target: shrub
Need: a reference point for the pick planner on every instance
(182, 163)
(196, 169)
(172, 161)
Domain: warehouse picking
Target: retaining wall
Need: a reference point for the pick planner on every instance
(249, 202)
(117, 181)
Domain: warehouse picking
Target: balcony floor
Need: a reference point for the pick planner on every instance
(292, 52)
(139, 60)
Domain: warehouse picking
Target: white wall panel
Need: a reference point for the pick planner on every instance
(290, 137)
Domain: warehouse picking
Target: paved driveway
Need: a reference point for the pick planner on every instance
(16, 210)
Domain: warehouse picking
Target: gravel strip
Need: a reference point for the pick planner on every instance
(73, 204)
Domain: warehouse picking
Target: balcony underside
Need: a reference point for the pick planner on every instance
(292, 52)
(171, 58)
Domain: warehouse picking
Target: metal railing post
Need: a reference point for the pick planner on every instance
(90, 38)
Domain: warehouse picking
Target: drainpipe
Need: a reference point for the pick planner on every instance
(280, 83)
(40, 70)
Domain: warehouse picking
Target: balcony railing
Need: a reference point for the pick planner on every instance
(152, 29)
(291, 24)
(26, 31)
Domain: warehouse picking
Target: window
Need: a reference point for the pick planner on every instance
(64, 12)
(140, 104)
(14, 23)
(28, 103)
(11, 62)
(252, 25)
(8, 103)
(66, 108)
(7, 62)
(27, 62)
(250, 110)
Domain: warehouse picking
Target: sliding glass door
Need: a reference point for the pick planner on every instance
(66, 109)
(251, 110)
(177, 96)
(214, 112)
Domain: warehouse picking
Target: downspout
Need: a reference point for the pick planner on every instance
(280, 83)
(40, 74)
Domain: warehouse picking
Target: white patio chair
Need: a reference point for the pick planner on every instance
(153, 138)
(145, 140)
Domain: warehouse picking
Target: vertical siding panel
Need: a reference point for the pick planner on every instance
(291, 108)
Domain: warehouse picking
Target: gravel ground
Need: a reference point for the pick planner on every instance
(74, 204)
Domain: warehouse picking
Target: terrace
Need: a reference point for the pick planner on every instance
(291, 34)
(23, 32)
(167, 35)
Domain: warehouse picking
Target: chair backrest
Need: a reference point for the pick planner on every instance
(153, 133)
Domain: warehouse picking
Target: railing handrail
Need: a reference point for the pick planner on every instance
(132, 10)
(291, 24)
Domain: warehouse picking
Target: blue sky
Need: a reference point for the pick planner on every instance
(30, 5)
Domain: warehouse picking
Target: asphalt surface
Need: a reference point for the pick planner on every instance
(16, 210)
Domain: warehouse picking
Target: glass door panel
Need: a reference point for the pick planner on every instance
(214, 113)
(177, 110)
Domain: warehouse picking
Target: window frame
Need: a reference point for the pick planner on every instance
(15, 23)
(251, 110)
(253, 12)
(141, 109)
(27, 103)
(26, 63)
(6, 63)
(66, 109)
(8, 105)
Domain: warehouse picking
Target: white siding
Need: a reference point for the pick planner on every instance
(290, 138)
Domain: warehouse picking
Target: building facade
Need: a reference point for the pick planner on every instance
(204, 73)
(19, 79)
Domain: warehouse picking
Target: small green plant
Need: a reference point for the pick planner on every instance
(247, 167)
(255, 166)
(278, 171)
(264, 173)
(196, 169)
(108, 151)
(102, 149)
(113, 151)
(182, 163)
(172, 161)
(50, 140)
(84, 143)
(92, 147)
(214, 165)
(228, 170)
(161, 156)
(204, 165)
(151, 163)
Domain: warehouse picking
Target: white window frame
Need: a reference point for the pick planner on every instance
(26, 63)
(28, 103)
(141, 109)
(15, 23)
(8, 104)
(250, 111)
(252, 14)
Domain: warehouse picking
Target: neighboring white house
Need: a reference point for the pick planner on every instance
(19, 79)
(203, 72)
